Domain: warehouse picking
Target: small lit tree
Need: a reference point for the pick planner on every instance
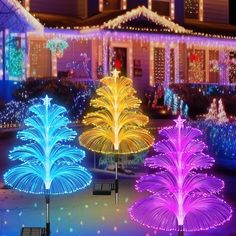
(212, 112)
(182, 199)
(221, 116)
(118, 123)
(50, 166)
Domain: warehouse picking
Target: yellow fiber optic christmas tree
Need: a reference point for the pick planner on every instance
(119, 126)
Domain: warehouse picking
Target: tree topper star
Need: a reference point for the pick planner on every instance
(179, 122)
(47, 101)
(115, 73)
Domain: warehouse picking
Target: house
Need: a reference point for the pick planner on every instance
(151, 41)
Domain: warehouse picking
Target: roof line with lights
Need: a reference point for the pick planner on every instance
(150, 15)
(109, 29)
(154, 37)
(22, 13)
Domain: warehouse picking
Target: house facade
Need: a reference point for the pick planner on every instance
(159, 42)
(199, 10)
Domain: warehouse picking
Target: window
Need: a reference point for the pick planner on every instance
(232, 15)
(196, 66)
(213, 66)
(161, 7)
(40, 59)
(232, 67)
(192, 9)
(159, 65)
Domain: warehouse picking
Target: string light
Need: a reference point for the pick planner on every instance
(175, 103)
(212, 112)
(212, 42)
(221, 116)
(14, 58)
(14, 112)
(176, 65)
(167, 65)
(220, 139)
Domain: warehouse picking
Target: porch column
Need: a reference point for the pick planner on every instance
(167, 65)
(5, 45)
(176, 56)
(27, 43)
(223, 67)
(130, 60)
(24, 46)
(1, 55)
(151, 64)
(95, 55)
(105, 56)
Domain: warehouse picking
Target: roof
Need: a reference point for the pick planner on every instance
(143, 19)
(139, 19)
(16, 18)
(54, 20)
(211, 28)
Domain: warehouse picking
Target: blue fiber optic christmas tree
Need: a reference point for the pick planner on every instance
(50, 166)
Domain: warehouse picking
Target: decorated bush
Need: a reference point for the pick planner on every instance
(221, 141)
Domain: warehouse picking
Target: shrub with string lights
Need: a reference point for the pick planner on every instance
(221, 141)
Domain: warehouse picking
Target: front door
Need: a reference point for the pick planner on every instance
(119, 60)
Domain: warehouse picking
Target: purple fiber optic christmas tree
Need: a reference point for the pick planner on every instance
(182, 199)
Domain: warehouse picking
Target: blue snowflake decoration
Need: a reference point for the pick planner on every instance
(49, 164)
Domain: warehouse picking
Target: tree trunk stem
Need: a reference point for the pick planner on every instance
(116, 180)
(47, 196)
